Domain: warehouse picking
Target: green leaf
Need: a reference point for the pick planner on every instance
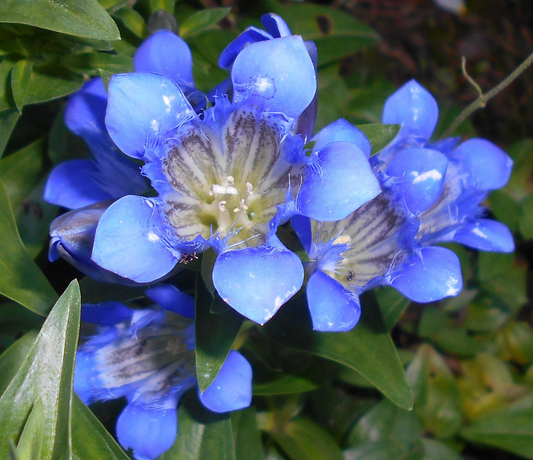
(519, 185)
(13, 357)
(83, 18)
(52, 82)
(6, 95)
(510, 429)
(285, 384)
(380, 450)
(246, 435)
(46, 375)
(436, 393)
(132, 20)
(21, 280)
(208, 262)
(202, 434)
(379, 135)
(20, 81)
(335, 33)
(367, 348)
(304, 440)
(21, 170)
(392, 304)
(505, 208)
(94, 63)
(215, 334)
(492, 264)
(8, 120)
(510, 286)
(90, 440)
(386, 422)
(436, 450)
(202, 20)
(63, 145)
(526, 219)
(31, 439)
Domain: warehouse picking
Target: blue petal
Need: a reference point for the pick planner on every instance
(232, 387)
(128, 241)
(305, 125)
(75, 184)
(413, 107)
(341, 131)
(302, 227)
(487, 166)
(85, 377)
(148, 429)
(275, 25)
(431, 275)
(85, 113)
(485, 235)
(420, 176)
(250, 35)
(167, 54)
(172, 299)
(333, 308)
(257, 281)
(142, 107)
(105, 313)
(276, 75)
(338, 181)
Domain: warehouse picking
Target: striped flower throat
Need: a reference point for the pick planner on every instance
(226, 180)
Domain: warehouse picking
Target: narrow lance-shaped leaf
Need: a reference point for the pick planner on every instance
(201, 20)
(367, 348)
(8, 120)
(379, 135)
(83, 18)
(90, 440)
(20, 81)
(215, 334)
(21, 279)
(46, 375)
(12, 358)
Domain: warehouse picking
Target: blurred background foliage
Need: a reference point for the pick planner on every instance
(468, 360)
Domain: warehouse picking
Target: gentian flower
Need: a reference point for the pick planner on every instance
(109, 175)
(148, 357)
(431, 193)
(228, 178)
(475, 167)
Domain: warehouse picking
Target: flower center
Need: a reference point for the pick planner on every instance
(364, 246)
(226, 180)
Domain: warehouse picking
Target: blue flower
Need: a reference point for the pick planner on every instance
(431, 193)
(109, 175)
(228, 178)
(475, 167)
(148, 357)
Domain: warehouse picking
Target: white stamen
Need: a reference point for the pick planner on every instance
(242, 207)
(342, 239)
(231, 180)
(222, 206)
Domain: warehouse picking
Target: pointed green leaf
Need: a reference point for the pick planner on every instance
(83, 18)
(90, 440)
(20, 81)
(202, 20)
(379, 135)
(132, 20)
(31, 440)
(335, 33)
(246, 435)
(46, 375)
(8, 120)
(52, 82)
(21, 280)
(12, 358)
(94, 63)
(202, 434)
(285, 384)
(510, 429)
(435, 391)
(208, 262)
(6, 96)
(215, 334)
(436, 450)
(367, 348)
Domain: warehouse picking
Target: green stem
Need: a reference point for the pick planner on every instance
(482, 100)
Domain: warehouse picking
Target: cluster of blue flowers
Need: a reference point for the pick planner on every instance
(175, 172)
